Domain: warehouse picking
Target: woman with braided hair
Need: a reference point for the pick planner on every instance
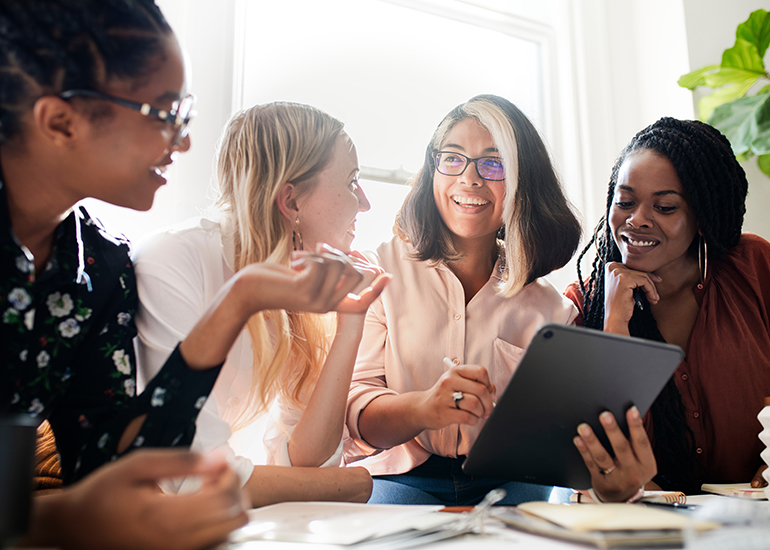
(93, 104)
(672, 265)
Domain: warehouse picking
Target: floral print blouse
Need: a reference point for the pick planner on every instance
(66, 346)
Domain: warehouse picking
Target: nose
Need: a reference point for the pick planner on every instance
(471, 176)
(363, 202)
(640, 217)
(183, 145)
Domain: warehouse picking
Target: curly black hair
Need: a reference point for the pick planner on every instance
(715, 188)
(49, 46)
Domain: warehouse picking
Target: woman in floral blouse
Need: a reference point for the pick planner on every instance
(93, 104)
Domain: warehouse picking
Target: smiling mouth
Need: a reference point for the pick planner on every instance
(639, 244)
(159, 170)
(469, 201)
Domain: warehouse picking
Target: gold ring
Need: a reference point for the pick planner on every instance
(606, 471)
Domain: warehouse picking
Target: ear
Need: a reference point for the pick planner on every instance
(286, 201)
(55, 120)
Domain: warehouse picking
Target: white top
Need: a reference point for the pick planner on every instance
(179, 272)
(420, 318)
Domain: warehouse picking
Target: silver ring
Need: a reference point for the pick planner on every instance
(457, 396)
(606, 471)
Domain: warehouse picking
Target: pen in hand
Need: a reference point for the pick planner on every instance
(448, 363)
(638, 298)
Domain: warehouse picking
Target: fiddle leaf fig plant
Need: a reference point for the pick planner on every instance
(740, 115)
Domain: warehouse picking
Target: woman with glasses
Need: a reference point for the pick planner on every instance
(288, 181)
(485, 220)
(94, 105)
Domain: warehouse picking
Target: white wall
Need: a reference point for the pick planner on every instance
(711, 30)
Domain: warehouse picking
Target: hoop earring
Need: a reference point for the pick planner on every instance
(703, 261)
(296, 236)
(596, 239)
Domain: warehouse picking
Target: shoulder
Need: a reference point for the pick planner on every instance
(99, 240)
(191, 241)
(392, 253)
(751, 254)
(544, 294)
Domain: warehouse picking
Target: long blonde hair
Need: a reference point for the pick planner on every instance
(263, 148)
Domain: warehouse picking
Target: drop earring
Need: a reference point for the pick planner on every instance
(296, 236)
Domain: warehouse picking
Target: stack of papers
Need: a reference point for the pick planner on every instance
(744, 490)
(605, 525)
(348, 524)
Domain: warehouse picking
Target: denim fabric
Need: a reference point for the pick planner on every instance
(440, 480)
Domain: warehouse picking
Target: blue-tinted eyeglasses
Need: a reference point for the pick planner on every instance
(178, 117)
(450, 163)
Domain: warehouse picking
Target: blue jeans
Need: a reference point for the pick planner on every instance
(440, 480)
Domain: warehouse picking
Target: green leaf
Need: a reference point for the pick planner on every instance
(739, 120)
(730, 75)
(744, 156)
(764, 163)
(756, 30)
(696, 78)
(724, 95)
(743, 55)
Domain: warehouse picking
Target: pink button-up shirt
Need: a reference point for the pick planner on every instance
(420, 318)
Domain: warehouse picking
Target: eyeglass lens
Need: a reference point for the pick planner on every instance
(184, 113)
(454, 164)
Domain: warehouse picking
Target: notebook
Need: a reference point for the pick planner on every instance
(568, 375)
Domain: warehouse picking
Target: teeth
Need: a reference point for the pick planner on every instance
(160, 170)
(641, 243)
(474, 201)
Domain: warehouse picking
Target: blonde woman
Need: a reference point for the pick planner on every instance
(288, 182)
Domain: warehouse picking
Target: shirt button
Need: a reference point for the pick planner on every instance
(458, 317)
(685, 377)
(696, 414)
(233, 402)
(456, 361)
(699, 450)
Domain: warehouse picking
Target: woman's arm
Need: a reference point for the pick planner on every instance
(391, 420)
(273, 484)
(318, 432)
(619, 285)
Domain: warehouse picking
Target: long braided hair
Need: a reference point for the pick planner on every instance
(715, 187)
(49, 46)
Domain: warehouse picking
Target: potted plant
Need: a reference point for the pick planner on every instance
(740, 105)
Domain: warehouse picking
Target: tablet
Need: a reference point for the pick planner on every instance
(17, 451)
(568, 375)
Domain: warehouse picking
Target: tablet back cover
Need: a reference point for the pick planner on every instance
(568, 375)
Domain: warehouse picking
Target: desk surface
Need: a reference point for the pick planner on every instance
(497, 536)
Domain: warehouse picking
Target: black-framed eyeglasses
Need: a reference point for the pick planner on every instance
(450, 163)
(178, 117)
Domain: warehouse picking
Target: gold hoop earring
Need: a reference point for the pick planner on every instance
(596, 239)
(703, 261)
(296, 236)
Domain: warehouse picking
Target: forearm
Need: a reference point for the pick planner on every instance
(48, 524)
(391, 420)
(614, 325)
(273, 484)
(317, 434)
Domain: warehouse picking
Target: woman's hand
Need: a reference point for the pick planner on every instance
(619, 285)
(758, 480)
(120, 506)
(373, 283)
(618, 479)
(439, 407)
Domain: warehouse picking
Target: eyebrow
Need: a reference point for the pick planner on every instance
(461, 148)
(169, 96)
(655, 194)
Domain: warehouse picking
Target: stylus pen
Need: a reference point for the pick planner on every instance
(638, 298)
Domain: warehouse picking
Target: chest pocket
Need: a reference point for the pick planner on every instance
(505, 360)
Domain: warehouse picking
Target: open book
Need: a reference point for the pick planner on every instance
(604, 526)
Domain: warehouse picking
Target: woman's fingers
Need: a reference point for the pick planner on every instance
(358, 304)
(758, 480)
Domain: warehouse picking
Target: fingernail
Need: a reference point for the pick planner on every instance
(634, 413)
(578, 442)
(606, 418)
(584, 429)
